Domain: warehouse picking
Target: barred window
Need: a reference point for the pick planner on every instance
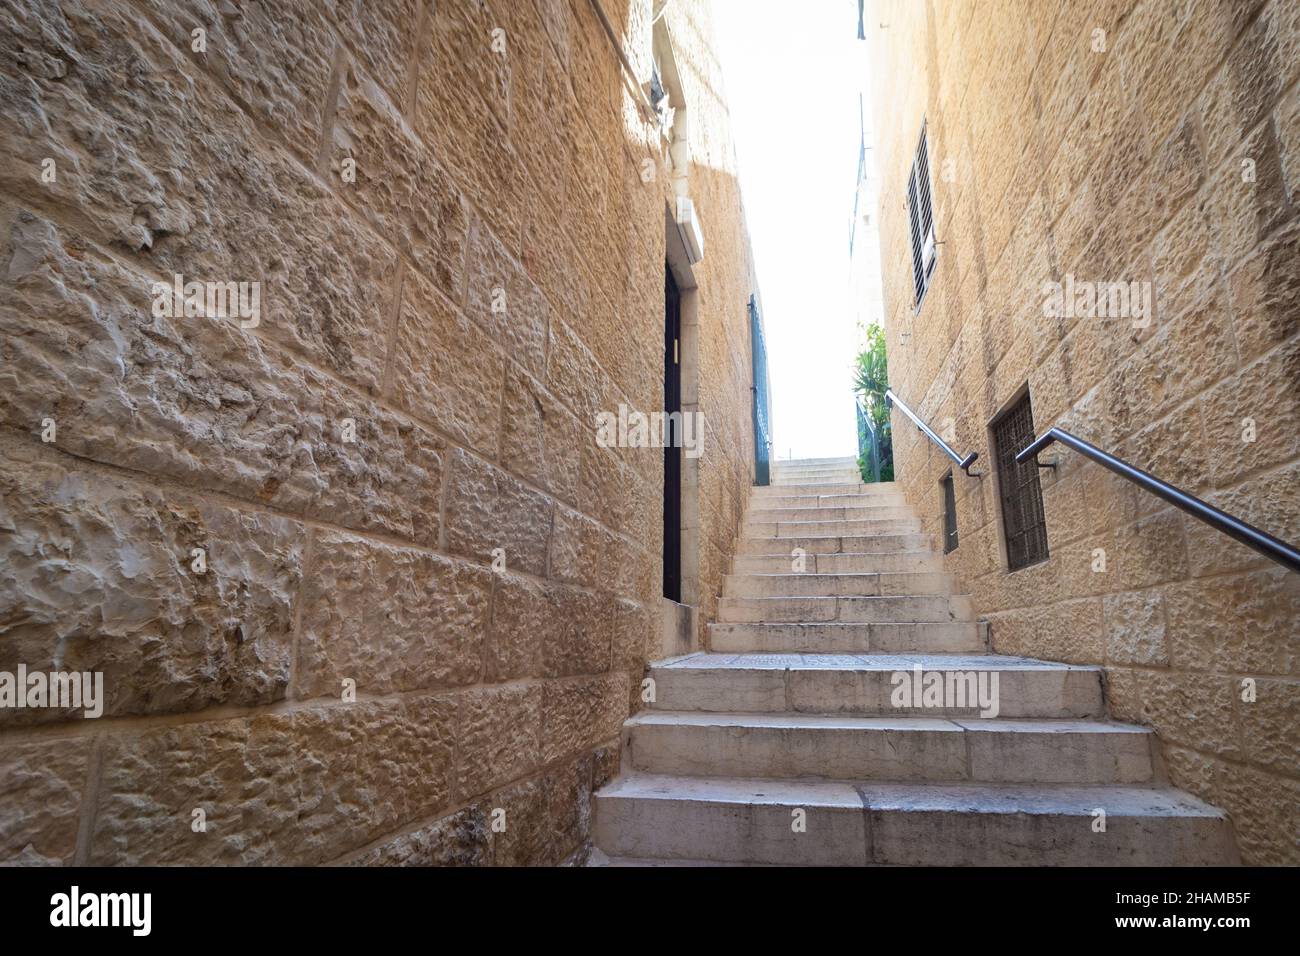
(949, 514)
(920, 217)
(1023, 522)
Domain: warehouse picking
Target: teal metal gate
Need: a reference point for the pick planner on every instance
(868, 446)
(762, 432)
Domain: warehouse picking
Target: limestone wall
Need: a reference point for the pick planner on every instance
(459, 239)
(1117, 141)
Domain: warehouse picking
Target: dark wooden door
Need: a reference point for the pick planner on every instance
(672, 449)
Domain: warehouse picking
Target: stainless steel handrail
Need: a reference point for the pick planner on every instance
(962, 463)
(1261, 541)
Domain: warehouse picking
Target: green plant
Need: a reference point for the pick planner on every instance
(870, 379)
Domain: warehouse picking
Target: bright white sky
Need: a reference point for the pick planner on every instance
(792, 73)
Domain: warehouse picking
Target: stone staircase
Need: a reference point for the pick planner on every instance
(784, 743)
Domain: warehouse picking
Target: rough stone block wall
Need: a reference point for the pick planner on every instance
(393, 173)
(1115, 140)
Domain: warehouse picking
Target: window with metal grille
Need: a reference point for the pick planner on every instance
(920, 219)
(1023, 523)
(949, 514)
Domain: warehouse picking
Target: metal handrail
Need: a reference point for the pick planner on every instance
(1233, 527)
(962, 463)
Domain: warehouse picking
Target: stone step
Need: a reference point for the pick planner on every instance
(867, 684)
(897, 749)
(848, 489)
(818, 488)
(815, 463)
(820, 475)
(841, 460)
(650, 817)
(811, 584)
(817, 529)
(801, 502)
(598, 859)
(783, 467)
(904, 609)
(885, 562)
(796, 481)
(848, 476)
(763, 515)
(957, 637)
(882, 485)
(656, 817)
(834, 544)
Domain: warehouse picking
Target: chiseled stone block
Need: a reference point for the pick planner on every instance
(524, 809)
(167, 169)
(302, 786)
(487, 509)
(498, 736)
(274, 59)
(98, 574)
(389, 619)
(459, 839)
(502, 299)
(446, 371)
(41, 785)
(463, 112)
(198, 400)
(580, 712)
(541, 440)
(399, 185)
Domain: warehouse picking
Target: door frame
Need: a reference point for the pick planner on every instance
(678, 263)
(672, 404)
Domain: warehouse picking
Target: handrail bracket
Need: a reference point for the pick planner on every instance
(963, 463)
(1252, 537)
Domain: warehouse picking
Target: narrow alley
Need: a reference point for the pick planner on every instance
(613, 434)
